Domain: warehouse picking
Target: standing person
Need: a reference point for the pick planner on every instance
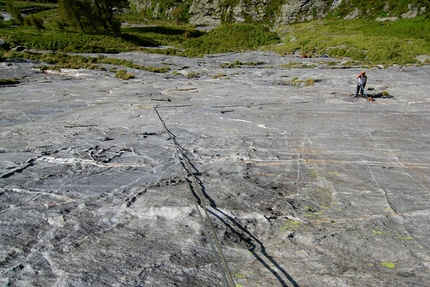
(361, 83)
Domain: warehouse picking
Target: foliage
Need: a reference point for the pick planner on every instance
(151, 36)
(166, 10)
(176, 13)
(162, 9)
(239, 64)
(58, 61)
(230, 38)
(65, 41)
(122, 74)
(36, 22)
(377, 8)
(361, 40)
(92, 16)
(15, 14)
(4, 82)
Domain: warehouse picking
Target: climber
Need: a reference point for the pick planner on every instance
(361, 84)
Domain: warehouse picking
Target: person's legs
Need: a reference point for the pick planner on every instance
(357, 91)
(360, 90)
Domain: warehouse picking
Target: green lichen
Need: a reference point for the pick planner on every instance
(378, 232)
(291, 225)
(313, 172)
(405, 237)
(390, 265)
(332, 173)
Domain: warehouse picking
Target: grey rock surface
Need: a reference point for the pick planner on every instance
(305, 185)
(215, 12)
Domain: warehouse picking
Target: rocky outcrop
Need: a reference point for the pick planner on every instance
(215, 12)
(304, 185)
(206, 12)
(301, 10)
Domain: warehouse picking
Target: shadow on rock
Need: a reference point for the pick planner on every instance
(380, 95)
(255, 246)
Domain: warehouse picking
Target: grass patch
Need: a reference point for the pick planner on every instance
(5, 82)
(66, 41)
(361, 40)
(230, 38)
(297, 65)
(296, 82)
(122, 74)
(57, 61)
(239, 64)
(219, 76)
(193, 74)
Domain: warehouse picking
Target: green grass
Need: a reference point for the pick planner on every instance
(58, 61)
(122, 74)
(230, 38)
(4, 82)
(362, 41)
(65, 41)
(375, 8)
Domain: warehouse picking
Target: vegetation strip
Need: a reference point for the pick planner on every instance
(49, 26)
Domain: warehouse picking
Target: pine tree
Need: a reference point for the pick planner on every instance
(92, 16)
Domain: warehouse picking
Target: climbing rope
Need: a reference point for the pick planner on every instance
(196, 191)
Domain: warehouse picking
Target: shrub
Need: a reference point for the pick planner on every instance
(8, 81)
(219, 76)
(122, 74)
(36, 22)
(230, 38)
(15, 14)
(193, 75)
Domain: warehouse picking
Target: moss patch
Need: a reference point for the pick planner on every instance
(390, 265)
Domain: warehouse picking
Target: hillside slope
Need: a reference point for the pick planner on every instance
(277, 12)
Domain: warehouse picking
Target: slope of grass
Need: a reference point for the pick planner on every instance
(362, 40)
(230, 38)
(397, 42)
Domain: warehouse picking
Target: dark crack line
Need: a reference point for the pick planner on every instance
(19, 168)
(196, 186)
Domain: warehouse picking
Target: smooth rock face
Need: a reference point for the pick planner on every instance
(305, 185)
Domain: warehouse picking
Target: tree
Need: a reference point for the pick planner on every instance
(92, 16)
(176, 13)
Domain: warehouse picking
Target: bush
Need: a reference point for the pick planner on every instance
(8, 81)
(230, 38)
(36, 22)
(122, 74)
(15, 14)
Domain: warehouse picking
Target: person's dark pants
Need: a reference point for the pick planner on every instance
(359, 91)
